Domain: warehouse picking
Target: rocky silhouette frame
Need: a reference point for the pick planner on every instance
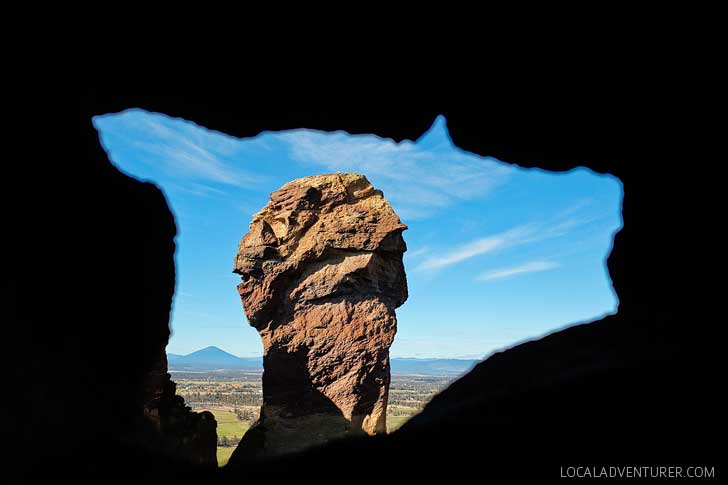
(640, 386)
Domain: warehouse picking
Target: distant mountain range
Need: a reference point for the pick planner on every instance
(432, 367)
(213, 358)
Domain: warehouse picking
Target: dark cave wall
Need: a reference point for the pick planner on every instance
(110, 299)
(99, 391)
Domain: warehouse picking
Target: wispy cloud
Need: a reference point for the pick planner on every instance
(532, 267)
(577, 206)
(512, 237)
(523, 234)
(416, 253)
(184, 151)
(417, 181)
(198, 189)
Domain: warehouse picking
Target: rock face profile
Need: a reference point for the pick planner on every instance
(322, 274)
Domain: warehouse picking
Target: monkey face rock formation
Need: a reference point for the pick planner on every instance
(322, 274)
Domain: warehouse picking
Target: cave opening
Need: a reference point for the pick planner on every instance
(496, 254)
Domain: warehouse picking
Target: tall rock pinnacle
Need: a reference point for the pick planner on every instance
(322, 274)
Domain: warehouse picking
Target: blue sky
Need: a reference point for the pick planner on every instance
(497, 254)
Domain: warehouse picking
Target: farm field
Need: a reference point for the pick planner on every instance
(394, 422)
(223, 454)
(228, 424)
(235, 399)
(230, 429)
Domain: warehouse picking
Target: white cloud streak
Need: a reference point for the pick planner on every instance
(512, 237)
(417, 181)
(532, 267)
(416, 253)
(183, 150)
(524, 234)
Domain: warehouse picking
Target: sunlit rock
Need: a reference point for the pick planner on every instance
(322, 274)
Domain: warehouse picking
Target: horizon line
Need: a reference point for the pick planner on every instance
(167, 352)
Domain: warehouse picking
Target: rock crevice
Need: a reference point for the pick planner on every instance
(182, 433)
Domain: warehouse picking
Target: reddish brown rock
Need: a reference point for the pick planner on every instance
(322, 274)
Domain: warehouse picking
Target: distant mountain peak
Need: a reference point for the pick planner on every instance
(212, 357)
(212, 348)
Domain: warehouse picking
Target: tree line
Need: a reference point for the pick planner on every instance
(228, 441)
